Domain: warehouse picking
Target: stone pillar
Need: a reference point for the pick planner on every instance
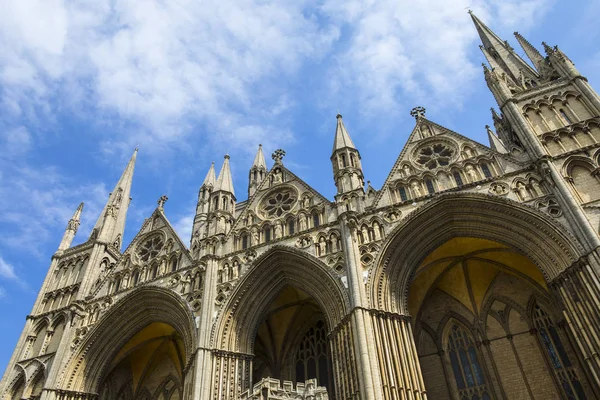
(58, 394)
(232, 374)
(344, 360)
(401, 376)
(579, 289)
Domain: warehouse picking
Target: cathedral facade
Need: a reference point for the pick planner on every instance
(472, 273)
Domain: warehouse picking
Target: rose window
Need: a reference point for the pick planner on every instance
(278, 204)
(150, 248)
(437, 155)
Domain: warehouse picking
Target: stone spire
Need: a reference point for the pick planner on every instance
(532, 53)
(210, 179)
(342, 138)
(71, 229)
(495, 142)
(224, 181)
(347, 168)
(111, 224)
(258, 171)
(500, 54)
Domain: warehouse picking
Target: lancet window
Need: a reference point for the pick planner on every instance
(466, 367)
(557, 355)
(311, 357)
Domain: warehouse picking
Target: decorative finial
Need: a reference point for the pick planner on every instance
(418, 112)
(338, 116)
(278, 155)
(161, 202)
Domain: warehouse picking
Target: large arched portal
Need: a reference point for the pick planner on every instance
(282, 320)
(545, 274)
(151, 356)
(486, 326)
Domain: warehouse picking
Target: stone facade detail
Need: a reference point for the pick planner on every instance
(473, 272)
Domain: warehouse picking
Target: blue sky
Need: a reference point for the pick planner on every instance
(82, 83)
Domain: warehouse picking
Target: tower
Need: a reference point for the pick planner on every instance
(258, 171)
(347, 168)
(547, 110)
(203, 204)
(71, 229)
(222, 202)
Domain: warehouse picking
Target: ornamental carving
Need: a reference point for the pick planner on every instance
(278, 204)
(150, 248)
(499, 188)
(434, 155)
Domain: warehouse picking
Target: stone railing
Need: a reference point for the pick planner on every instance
(273, 389)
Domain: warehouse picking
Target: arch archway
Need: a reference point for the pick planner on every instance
(281, 278)
(546, 243)
(94, 359)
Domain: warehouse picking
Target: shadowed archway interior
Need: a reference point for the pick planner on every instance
(291, 341)
(149, 366)
(484, 317)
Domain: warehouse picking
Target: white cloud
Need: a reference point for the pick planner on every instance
(165, 67)
(7, 271)
(183, 227)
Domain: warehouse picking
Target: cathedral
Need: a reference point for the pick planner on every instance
(473, 273)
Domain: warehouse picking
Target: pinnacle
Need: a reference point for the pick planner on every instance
(342, 137)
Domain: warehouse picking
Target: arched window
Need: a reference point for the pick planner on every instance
(312, 356)
(267, 233)
(402, 193)
(173, 264)
(466, 368)
(255, 174)
(565, 116)
(352, 160)
(458, 178)
(117, 284)
(216, 203)
(486, 170)
(343, 158)
(154, 271)
(59, 328)
(136, 277)
(315, 220)
(40, 337)
(557, 355)
(429, 184)
(244, 241)
(291, 226)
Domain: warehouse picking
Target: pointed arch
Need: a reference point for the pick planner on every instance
(531, 233)
(88, 363)
(281, 266)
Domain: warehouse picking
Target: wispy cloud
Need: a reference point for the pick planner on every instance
(7, 271)
(163, 69)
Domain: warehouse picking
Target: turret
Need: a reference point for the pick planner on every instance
(110, 226)
(345, 158)
(203, 205)
(258, 171)
(71, 229)
(222, 202)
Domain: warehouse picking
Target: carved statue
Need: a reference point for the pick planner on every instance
(522, 190)
(471, 173)
(416, 189)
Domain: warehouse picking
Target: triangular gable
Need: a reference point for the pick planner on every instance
(288, 178)
(155, 223)
(425, 130)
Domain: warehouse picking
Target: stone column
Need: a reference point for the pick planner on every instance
(401, 376)
(344, 360)
(232, 374)
(579, 289)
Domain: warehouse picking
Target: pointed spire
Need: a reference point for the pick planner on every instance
(224, 181)
(532, 53)
(498, 51)
(111, 224)
(495, 142)
(259, 159)
(210, 179)
(71, 229)
(342, 138)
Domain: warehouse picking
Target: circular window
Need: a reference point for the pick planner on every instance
(435, 155)
(278, 204)
(150, 248)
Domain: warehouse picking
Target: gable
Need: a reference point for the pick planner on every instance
(433, 153)
(156, 246)
(281, 193)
